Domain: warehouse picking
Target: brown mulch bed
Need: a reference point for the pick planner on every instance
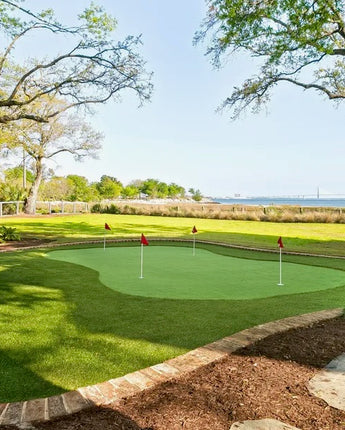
(25, 243)
(265, 380)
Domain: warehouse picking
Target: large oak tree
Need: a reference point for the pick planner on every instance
(84, 66)
(43, 141)
(301, 42)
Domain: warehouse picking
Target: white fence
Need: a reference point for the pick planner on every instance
(62, 207)
(15, 205)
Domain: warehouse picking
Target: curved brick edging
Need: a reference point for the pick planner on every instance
(24, 413)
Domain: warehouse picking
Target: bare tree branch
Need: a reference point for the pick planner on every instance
(298, 45)
(52, 26)
(330, 94)
(93, 70)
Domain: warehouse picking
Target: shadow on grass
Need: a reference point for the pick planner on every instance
(63, 228)
(94, 333)
(19, 382)
(72, 229)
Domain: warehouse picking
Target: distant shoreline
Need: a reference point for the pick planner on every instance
(252, 201)
(204, 200)
(284, 201)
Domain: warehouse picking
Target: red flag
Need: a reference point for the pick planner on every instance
(106, 226)
(143, 240)
(280, 242)
(194, 230)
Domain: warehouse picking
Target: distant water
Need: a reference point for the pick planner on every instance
(268, 201)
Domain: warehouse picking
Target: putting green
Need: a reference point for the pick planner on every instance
(173, 273)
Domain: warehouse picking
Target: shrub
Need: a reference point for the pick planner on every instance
(112, 209)
(96, 208)
(8, 233)
(42, 211)
(9, 209)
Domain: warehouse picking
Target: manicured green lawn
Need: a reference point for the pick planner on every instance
(61, 327)
(312, 238)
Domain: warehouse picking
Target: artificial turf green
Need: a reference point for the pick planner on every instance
(174, 273)
(62, 328)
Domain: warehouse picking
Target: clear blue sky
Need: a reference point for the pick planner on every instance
(178, 137)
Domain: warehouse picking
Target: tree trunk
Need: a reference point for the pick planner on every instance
(30, 204)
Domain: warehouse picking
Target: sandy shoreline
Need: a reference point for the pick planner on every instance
(160, 201)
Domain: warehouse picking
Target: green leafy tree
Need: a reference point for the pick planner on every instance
(12, 186)
(109, 187)
(154, 188)
(11, 192)
(93, 192)
(176, 191)
(92, 67)
(57, 188)
(14, 175)
(162, 190)
(130, 192)
(79, 189)
(150, 187)
(301, 42)
(196, 194)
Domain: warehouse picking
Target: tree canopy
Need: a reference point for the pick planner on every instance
(109, 187)
(301, 42)
(78, 188)
(93, 68)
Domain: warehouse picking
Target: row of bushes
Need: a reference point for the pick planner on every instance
(228, 212)
(202, 210)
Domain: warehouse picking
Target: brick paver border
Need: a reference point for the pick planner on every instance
(39, 410)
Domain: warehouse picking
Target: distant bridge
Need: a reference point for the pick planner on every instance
(302, 196)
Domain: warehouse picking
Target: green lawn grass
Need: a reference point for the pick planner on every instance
(61, 327)
(303, 237)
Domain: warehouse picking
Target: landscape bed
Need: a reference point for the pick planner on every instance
(63, 327)
(265, 380)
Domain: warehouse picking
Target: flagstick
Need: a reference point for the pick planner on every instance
(280, 267)
(141, 261)
(193, 244)
(104, 242)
